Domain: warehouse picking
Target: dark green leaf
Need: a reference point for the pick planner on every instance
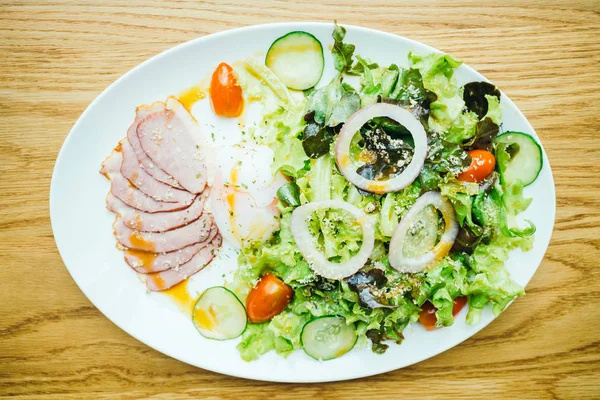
(447, 157)
(289, 194)
(333, 104)
(342, 52)
(410, 87)
(344, 108)
(486, 132)
(430, 179)
(317, 140)
(388, 81)
(474, 96)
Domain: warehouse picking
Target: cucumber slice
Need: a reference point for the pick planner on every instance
(519, 157)
(328, 337)
(219, 314)
(422, 235)
(297, 60)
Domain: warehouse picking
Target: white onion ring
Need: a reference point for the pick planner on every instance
(317, 261)
(418, 264)
(353, 125)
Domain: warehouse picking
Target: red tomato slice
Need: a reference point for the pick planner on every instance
(225, 93)
(267, 299)
(482, 165)
(427, 316)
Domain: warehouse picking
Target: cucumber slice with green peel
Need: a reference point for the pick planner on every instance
(422, 235)
(297, 60)
(328, 337)
(519, 157)
(219, 314)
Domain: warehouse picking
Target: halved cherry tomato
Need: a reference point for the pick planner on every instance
(482, 165)
(225, 93)
(427, 316)
(267, 299)
(459, 304)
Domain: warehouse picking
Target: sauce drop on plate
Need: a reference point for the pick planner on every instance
(190, 96)
(181, 296)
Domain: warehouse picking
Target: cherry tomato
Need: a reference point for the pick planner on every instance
(459, 304)
(225, 93)
(267, 299)
(482, 165)
(427, 316)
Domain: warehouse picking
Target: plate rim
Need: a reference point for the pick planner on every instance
(235, 31)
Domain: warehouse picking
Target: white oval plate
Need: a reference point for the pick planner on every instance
(83, 233)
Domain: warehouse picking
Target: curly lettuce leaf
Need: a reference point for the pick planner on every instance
(494, 110)
(437, 71)
(491, 282)
(281, 132)
(258, 339)
(394, 205)
(342, 52)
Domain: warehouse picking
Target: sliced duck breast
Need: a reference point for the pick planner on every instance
(130, 168)
(146, 163)
(171, 139)
(171, 277)
(146, 262)
(156, 222)
(124, 190)
(163, 242)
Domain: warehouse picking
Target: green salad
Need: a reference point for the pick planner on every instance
(399, 207)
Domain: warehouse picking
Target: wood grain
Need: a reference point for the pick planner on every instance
(57, 56)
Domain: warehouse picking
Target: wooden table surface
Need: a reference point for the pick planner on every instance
(57, 56)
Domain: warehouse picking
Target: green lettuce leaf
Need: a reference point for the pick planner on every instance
(490, 282)
(494, 110)
(342, 52)
(437, 71)
(394, 205)
(258, 339)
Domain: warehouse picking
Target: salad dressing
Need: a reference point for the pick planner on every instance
(181, 296)
(233, 181)
(191, 95)
(138, 241)
(143, 258)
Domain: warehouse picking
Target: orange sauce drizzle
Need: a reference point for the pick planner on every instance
(138, 241)
(143, 258)
(191, 95)
(157, 279)
(376, 187)
(138, 222)
(180, 294)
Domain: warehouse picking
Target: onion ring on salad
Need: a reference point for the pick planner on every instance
(306, 242)
(396, 255)
(353, 125)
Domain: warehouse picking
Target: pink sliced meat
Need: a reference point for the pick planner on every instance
(112, 163)
(130, 168)
(121, 188)
(163, 242)
(171, 277)
(156, 222)
(171, 139)
(146, 163)
(145, 262)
